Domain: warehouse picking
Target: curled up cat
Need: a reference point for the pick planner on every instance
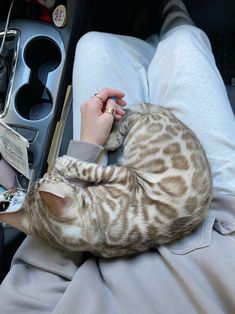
(159, 190)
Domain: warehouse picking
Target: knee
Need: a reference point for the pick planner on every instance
(91, 43)
(188, 35)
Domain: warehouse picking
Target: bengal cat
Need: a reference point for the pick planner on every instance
(159, 190)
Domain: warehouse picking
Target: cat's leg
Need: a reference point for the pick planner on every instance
(120, 129)
(71, 168)
(174, 13)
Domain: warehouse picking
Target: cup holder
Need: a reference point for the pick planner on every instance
(32, 105)
(42, 52)
(34, 100)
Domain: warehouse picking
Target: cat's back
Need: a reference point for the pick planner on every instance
(160, 134)
(165, 152)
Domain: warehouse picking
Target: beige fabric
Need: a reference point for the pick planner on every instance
(194, 275)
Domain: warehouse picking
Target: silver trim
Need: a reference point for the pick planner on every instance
(12, 74)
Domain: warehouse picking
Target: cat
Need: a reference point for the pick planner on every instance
(159, 190)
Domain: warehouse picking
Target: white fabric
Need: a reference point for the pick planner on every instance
(107, 60)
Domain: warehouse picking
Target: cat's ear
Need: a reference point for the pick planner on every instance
(53, 202)
(16, 219)
(56, 198)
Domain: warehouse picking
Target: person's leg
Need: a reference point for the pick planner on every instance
(108, 60)
(184, 78)
(174, 13)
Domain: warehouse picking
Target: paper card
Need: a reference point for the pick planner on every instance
(13, 148)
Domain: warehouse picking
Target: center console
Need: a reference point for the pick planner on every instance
(35, 78)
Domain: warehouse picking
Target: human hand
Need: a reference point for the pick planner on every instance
(96, 124)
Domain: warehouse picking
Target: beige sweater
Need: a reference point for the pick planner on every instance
(192, 276)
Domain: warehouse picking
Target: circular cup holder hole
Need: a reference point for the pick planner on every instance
(31, 105)
(42, 52)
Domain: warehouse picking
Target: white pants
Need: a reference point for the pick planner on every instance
(178, 72)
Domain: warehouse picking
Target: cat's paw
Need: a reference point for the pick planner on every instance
(114, 141)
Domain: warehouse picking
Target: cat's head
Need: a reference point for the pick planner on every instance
(47, 212)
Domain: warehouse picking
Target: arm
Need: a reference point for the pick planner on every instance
(96, 125)
(84, 151)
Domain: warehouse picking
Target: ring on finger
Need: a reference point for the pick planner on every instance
(112, 111)
(100, 98)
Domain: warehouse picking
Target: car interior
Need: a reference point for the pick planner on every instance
(38, 47)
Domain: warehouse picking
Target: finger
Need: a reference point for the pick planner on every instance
(120, 111)
(98, 98)
(110, 104)
(106, 93)
(118, 117)
(92, 105)
(119, 101)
